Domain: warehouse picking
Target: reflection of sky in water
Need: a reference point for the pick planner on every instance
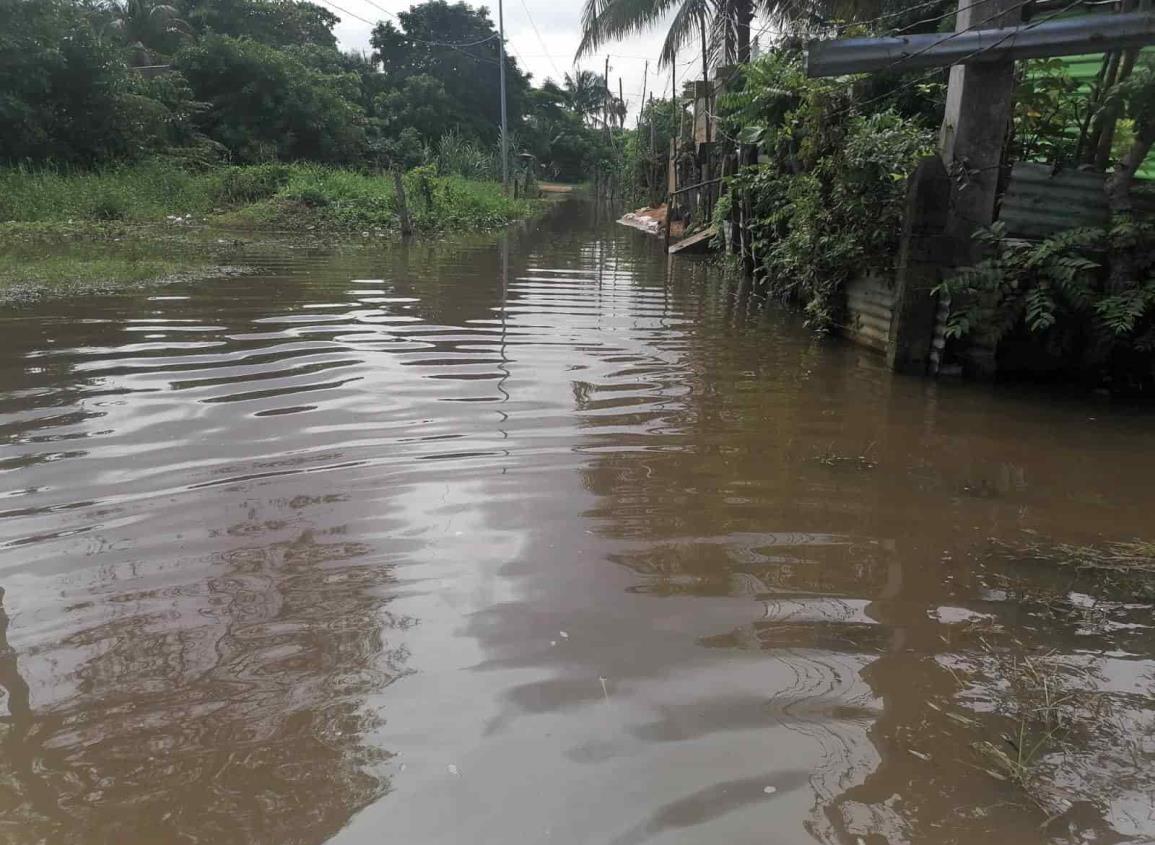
(293, 558)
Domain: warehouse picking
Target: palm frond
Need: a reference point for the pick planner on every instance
(684, 26)
(609, 20)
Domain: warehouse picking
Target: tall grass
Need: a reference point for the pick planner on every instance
(344, 199)
(272, 194)
(456, 155)
(147, 191)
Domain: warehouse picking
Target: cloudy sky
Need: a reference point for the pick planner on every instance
(542, 35)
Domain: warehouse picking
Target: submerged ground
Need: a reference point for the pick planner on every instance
(550, 540)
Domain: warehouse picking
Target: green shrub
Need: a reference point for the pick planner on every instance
(1056, 291)
(237, 185)
(828, 203)
(106, 204)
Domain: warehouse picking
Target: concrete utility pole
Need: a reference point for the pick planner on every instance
(948, 201)
(504, 121)
(645, 74)
(606, 97)
(976, 122)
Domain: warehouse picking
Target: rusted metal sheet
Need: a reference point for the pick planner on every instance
(1041, 201)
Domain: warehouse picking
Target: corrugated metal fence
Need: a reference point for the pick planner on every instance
(1039, 202)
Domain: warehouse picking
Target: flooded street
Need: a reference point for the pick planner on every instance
(549, 541)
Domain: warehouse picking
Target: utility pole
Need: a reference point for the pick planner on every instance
(622, 104)
(501, 71)
(705, 86)
(645, 74)
(949, 199)
(606, 96)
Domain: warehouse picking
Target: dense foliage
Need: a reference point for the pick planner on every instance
(828, 201)
(99, 82)
(1055, 290)
(1086, 297)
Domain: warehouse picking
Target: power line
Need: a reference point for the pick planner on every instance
(958, 32)
(981, 50)
(851, 24)
(347, 12)
(380, 8)
(552, 63)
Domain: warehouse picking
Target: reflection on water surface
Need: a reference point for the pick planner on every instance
(440, 544)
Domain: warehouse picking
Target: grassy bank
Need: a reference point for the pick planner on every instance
(273, 196)
(151, 211)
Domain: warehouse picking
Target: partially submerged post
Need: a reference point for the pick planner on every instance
(920, 260)
(982, 51)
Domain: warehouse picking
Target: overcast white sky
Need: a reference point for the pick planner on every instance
(557, 22)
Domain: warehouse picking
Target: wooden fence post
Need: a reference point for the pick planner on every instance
(920, 261)
(402, 205)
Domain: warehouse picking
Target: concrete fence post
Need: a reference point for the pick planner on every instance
(923, 252)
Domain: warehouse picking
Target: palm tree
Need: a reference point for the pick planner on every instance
(148, 27)
(727, 23)
(585, 93)
(617, 109)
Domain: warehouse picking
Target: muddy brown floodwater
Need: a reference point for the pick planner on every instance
(389, 545)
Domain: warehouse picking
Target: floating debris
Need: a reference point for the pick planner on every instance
(1136, 556)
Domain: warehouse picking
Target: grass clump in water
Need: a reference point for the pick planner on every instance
(35, 277)
(1129, 556)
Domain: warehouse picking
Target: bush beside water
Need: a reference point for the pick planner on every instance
(283, 196)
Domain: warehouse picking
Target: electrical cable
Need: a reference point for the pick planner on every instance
(950, 37)
(380, 8)
(540, 41)
(934, 71)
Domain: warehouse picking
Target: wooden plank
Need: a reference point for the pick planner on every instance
(697, 242)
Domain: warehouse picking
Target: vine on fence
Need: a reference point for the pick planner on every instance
(828, 202)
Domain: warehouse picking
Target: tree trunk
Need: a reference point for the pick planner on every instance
(1098, 125)
(1119, 200)
(1097, 91)
(1111, 113)
(402, 205)
(744, 10)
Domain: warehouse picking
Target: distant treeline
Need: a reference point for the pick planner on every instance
(95, 82)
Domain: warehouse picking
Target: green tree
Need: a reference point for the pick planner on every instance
(66, 94)
(267, 104)
(278, 23)
(455, 45)
(727, 22)
(585, 93)
(150, 29)
(556, 134)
